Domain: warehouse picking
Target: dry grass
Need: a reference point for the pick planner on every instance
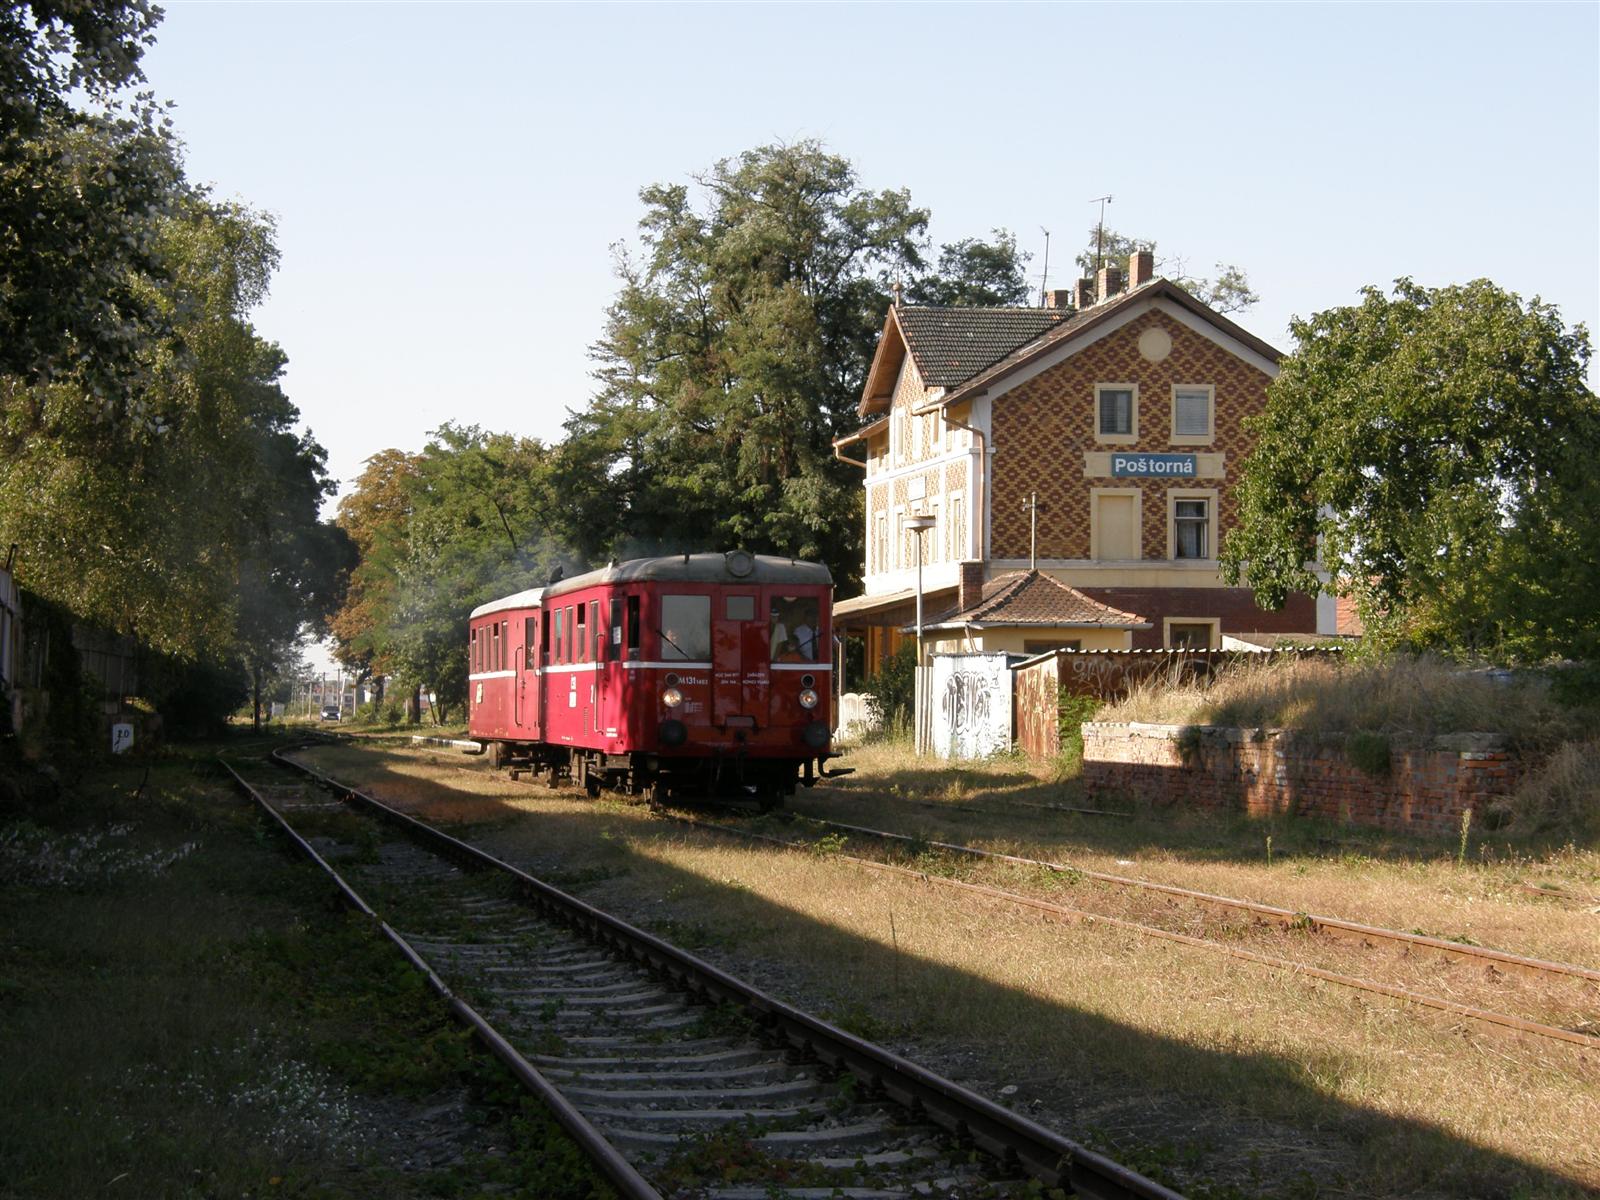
(1402, 695)
(1562, 797)
(1148, 1048)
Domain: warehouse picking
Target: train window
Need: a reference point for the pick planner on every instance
(741, 608)
(615, 635)
(472, 650)
(505, 645)
(580, 651)
(529, 641)
(561, 629)
(795, 631)
(544, 639)
(598, 653)
(685, 628)
(567, 652)
(633, 628)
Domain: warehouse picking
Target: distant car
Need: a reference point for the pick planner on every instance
(330, 712)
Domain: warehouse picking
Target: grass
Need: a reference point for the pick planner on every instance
(1420, 696)
(184, 1012)
(1219, 1069)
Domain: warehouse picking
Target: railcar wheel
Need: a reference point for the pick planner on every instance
(499, 754)
(592, 785)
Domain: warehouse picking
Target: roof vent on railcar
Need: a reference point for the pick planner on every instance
(739, 563)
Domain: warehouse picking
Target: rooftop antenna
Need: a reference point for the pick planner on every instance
(1044, 276)
(897, 289)
(1100, 231)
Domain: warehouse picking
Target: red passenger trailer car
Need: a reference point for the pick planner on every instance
(698, 674)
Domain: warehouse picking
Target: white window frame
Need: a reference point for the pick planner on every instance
(1117, 439)
(1210, 495)
(958, 526)
(1195, 439)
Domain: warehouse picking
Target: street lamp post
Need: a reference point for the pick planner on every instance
(918, 523)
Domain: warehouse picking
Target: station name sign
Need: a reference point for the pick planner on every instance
(1177, 466)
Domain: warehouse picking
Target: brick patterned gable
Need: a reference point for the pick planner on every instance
(1042, 428)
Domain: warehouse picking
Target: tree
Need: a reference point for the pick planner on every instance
(973, 272)
(86, 175)
(734, 354)
(440, 533)
(1230, 291)
(1435, 451)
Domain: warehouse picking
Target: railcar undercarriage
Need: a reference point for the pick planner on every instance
(725, 778)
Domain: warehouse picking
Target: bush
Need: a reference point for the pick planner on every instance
(892, 691)
(1561, 798)
(1074, 711)
(1369, 752)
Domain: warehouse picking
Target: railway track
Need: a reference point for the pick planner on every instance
(1366, 935)
(676, 1078)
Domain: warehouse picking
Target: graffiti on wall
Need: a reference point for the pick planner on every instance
(971, 705)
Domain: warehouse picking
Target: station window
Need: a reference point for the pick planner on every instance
(1116, 412)
(1193, 413)
(1201, 633)
(1192, 524)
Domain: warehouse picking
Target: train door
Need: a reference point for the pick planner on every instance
(528, 677)
(739, 679)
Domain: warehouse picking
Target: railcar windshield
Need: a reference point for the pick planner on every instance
(795, 628)
(685, 628)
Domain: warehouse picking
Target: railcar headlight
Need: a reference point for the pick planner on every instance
(672, 697)
(808, 698)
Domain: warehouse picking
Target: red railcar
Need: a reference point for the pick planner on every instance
(701, 674)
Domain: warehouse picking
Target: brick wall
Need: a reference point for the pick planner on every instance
(1043, 428)
(1236, 607)
(1430, 783)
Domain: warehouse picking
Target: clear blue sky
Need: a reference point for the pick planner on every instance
(448, 178)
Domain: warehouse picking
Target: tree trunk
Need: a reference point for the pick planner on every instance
(416, 704)
(255, 692)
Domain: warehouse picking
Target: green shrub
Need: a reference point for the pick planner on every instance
(892, 691)
(1370, 752)
(1073, 712)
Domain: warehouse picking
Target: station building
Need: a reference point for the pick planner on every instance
(1077, 462)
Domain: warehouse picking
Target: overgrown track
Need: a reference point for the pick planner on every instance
(1345, 930)
(675, 1077)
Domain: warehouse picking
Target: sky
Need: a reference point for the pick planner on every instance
(448, 180)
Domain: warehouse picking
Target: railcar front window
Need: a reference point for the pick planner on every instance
(795, 628)
(685, 628)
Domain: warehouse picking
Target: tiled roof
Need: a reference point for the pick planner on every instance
(1088, 318)
(951, 345)
(1032, 598)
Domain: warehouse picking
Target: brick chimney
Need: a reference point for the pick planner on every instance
(1108, 283)
(1085, 294)
(970, 588)
(1141, 268)
(1058, 298)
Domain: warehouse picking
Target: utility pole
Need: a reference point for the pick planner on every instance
(1031, 507)
(1100, 232)
(1044, 277)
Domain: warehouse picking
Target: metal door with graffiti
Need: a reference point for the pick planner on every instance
(969, 702)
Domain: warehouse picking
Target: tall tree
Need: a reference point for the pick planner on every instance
(734, 354)
(440, 533)
(973, 272)
(1228, 291)
(1435, 450)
